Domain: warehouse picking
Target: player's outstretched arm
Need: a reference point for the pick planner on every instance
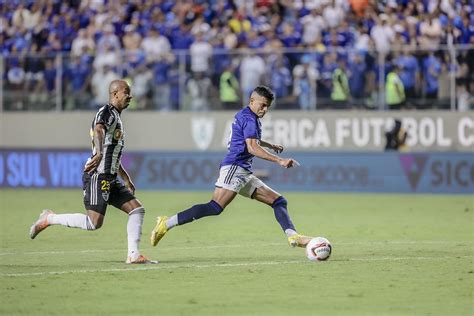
(254, 147)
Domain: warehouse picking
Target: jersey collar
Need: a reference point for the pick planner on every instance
(251, 112)
(112, 108)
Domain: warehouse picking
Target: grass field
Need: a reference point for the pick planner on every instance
(392, 255)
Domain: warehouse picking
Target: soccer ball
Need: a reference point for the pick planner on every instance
(318, 249)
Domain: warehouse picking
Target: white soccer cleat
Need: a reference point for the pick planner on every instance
(41, 224)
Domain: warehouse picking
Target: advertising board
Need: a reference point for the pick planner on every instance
(319, 172)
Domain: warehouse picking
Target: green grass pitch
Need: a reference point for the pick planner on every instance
(392, 255)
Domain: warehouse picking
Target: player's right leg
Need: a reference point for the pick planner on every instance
(94, 203)
(263, 193)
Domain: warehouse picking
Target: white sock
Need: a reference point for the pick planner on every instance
(134, 231)
(172, 221)
(290, 232)
(71, 220)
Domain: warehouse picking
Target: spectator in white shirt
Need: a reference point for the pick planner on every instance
(32, 17)
(101, 90)
(108, 39)
(109, 57)
(382, 34)
(333, 14)
(362, 40)
(252, 69)
(449, 7)
(82, 40)
(313, 24)
(201, 52)
(141, 85)
(155, 45)
(20, 15)
(131, 39)
(431, 32)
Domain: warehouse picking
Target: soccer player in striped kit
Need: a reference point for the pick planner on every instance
(100, 182)
(236, 175)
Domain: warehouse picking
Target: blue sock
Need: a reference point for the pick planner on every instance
(198, 211)
(281, 213)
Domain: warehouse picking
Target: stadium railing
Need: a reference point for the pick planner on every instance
(62, 82)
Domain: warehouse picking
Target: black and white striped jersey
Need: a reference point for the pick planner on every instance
(113, 141)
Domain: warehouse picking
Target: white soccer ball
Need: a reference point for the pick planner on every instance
(318, 249)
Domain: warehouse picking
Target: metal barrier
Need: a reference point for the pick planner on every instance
(302, 79)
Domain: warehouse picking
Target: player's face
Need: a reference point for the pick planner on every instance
(259, 105)
(124, 96)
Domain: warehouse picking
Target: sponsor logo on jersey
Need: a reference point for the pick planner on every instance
(118, 134)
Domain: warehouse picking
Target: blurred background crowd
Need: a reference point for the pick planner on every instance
(208, 55)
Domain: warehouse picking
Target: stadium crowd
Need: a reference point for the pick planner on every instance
(202, 55)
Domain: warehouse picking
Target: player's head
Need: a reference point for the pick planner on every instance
(260, 100)
(119, 94)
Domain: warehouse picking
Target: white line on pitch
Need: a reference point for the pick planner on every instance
(122, 250)
(220, 265)
(407, 258)
(154, 267)
(394, 242)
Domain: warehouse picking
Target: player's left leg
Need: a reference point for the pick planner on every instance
(70, 220)
(124, 200)
(227, 185)
(262, 193)
(220, 199)
(224, 193)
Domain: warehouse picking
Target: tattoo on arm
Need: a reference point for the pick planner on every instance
(99, 136)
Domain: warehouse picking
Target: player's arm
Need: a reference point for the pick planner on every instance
(99, 136)
(257, 150)
(126, 178)
(276, 148)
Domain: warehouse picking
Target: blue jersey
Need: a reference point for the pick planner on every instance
(246, 125)
(409, 66)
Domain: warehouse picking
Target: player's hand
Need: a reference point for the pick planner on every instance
(277, 148)
(93, 163)
(288, 163)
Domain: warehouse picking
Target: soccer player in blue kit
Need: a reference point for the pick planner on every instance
(236, 177)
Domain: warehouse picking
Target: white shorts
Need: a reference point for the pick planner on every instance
(238, 179)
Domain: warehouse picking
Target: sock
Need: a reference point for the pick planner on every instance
(281, 214)
(172, 221)
(198, 211)
(290, 232)
(71, 220)
(134, 231)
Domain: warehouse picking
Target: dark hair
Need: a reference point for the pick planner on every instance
(265, 91)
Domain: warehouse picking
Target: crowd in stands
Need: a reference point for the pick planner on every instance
(201, 55)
